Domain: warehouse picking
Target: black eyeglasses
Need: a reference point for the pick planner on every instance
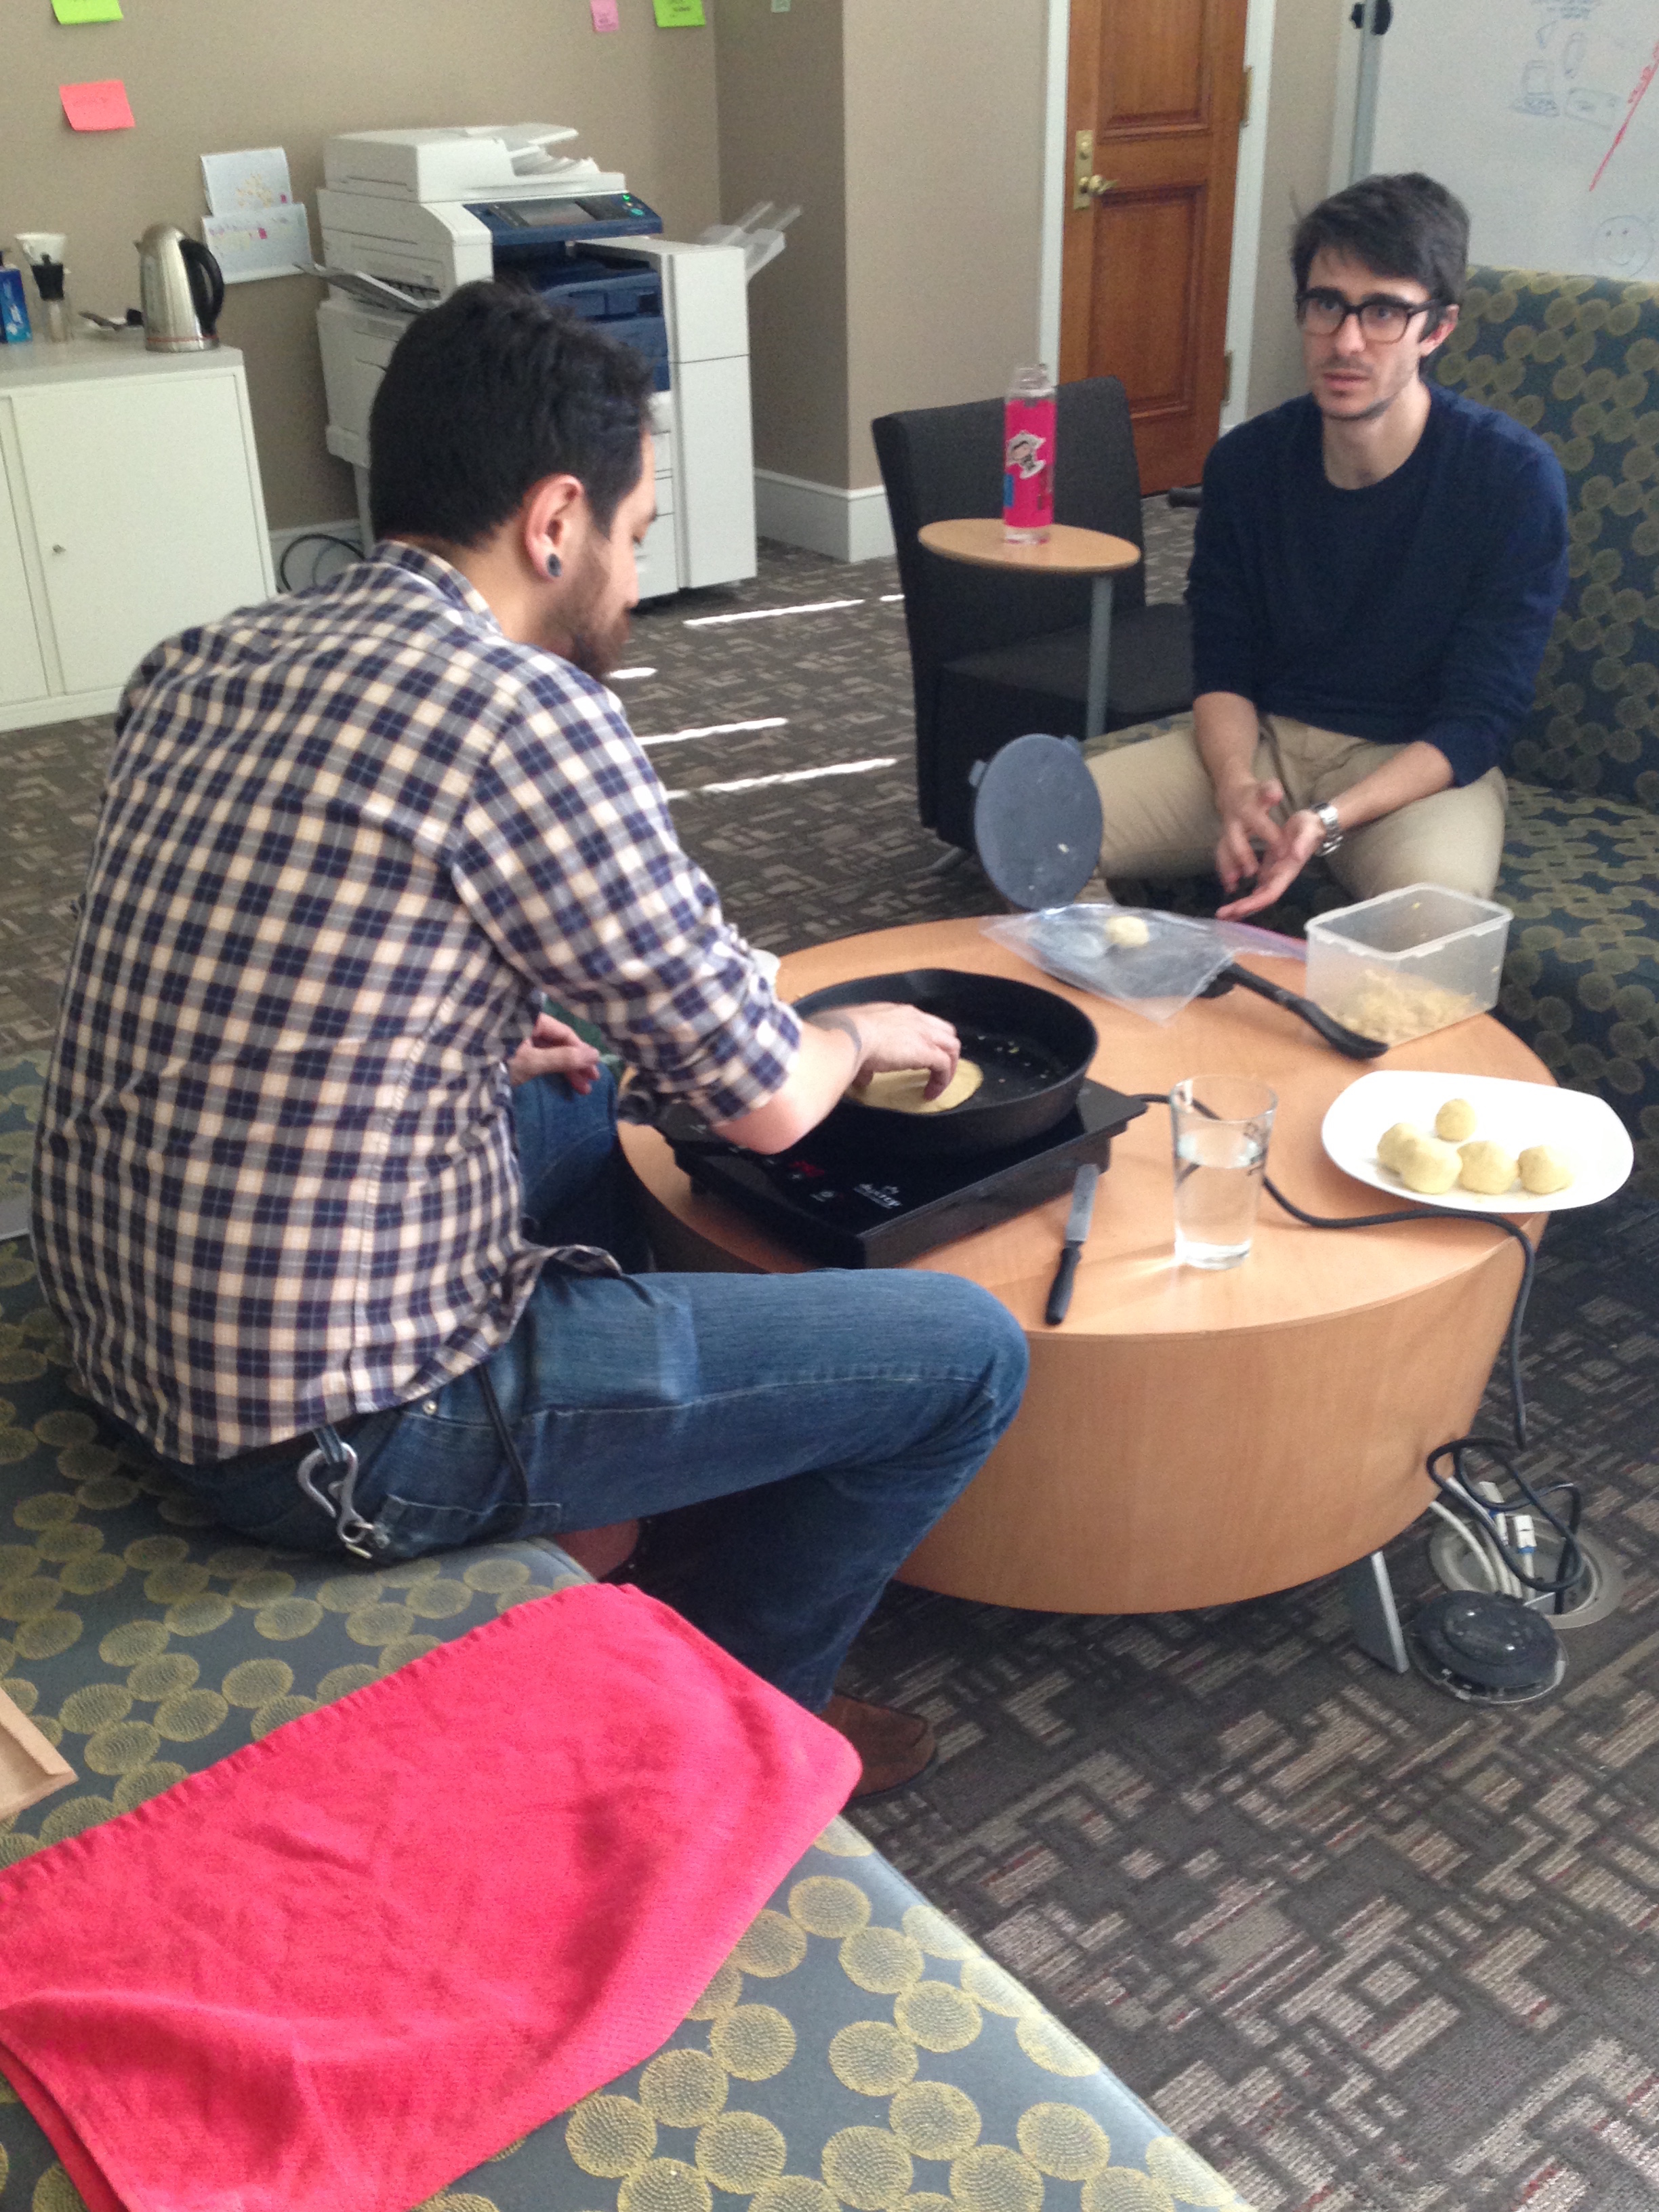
(1381, 317)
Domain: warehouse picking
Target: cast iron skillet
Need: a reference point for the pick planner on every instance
(1034, 1048)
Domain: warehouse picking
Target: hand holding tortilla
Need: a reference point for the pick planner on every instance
(894, 1038)
(904, 1090)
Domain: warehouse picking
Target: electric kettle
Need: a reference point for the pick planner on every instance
(182, 289)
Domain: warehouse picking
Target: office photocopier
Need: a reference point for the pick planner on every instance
(409, 215)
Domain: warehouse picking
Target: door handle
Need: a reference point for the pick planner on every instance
(1095, 187)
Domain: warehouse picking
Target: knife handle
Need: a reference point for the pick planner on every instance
(1060, 1293)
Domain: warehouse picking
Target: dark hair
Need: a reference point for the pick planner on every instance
(487, 393)
(1406, 226)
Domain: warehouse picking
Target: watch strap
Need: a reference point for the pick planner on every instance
(1325, 814)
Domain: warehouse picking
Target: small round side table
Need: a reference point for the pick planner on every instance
(1065, 551)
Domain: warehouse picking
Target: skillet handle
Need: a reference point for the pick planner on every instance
(1347, 1040)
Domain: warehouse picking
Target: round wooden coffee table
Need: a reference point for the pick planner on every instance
(1187, 1438)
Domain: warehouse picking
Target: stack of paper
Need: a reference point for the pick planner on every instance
(254, 225)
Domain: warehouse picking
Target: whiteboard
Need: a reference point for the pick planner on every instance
(1541, 115)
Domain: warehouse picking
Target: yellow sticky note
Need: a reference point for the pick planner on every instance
(87, 11)
(678, 15)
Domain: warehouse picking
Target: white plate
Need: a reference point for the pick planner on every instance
(1515, 1114)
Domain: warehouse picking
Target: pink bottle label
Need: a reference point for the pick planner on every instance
(1027, 463)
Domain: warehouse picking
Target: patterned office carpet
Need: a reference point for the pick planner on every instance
(1370, 1950)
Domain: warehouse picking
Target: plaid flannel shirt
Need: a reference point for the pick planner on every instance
(349, 838)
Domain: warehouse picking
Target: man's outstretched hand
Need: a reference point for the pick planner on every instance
(1255, 843)
(1294, 844)
(554, 1048)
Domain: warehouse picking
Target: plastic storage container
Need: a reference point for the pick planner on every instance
(1410, 960)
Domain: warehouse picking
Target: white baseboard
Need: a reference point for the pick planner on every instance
(59, 706)
(847, 526)
(281, 539)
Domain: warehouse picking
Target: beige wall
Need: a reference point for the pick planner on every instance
(205, 77)
(782, 138)
(944, 125)
(912, 137)
(1301, 107)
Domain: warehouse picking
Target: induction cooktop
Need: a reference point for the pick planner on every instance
(837, 1200)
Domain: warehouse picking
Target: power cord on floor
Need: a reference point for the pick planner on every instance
(311, 537)
(1496, 1522)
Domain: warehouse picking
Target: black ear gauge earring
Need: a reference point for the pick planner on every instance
(554, 565)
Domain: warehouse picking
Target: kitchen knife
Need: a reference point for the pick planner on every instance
(1076, 1236)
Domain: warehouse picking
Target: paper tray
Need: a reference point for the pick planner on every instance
(30, 1768)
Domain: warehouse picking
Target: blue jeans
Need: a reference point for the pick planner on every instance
(849, 1408)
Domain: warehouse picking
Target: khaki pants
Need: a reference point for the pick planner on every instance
(1161, 818)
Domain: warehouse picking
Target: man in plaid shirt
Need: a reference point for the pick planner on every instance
(326, 1202)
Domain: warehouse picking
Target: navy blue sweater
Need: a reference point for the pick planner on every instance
(1417, 607)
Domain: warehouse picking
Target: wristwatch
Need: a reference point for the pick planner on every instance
(1325, 815)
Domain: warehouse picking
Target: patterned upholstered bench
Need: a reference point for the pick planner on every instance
(1576, 359)
(856, 2049)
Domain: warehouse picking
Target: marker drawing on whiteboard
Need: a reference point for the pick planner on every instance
(1551, 80)
(1622, 245)
(1636, 92)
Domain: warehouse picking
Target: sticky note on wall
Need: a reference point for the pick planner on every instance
(87, 11)
(678, 15)
(102, 106)
(605, 14)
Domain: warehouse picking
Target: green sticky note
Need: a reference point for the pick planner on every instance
(87, 11)
(678, 15)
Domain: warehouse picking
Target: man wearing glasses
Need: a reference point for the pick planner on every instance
(1375, 575)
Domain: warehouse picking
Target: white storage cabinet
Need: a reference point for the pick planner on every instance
(130, 507)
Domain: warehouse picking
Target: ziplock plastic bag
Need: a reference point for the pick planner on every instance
(1178, 959)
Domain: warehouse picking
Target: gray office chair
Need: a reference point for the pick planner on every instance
(993, 656)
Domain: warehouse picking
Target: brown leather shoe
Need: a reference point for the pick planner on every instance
(897, 1748)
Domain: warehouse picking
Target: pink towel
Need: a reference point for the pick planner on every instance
(346, 1964)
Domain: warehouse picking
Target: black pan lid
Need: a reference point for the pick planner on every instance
(1037, 821)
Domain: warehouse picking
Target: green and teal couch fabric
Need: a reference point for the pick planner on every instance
(1576, 359)
(856, 2053)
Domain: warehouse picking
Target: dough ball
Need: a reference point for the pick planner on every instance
(1127, 929)
(1544, 1168)
(1427, 1166)
(1455, 1121)
(1486, 1167)
(1392, 1142)
(900, 1089)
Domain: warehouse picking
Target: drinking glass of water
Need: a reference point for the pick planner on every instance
(1220, 1125)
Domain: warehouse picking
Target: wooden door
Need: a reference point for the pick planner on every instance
(1159, 84)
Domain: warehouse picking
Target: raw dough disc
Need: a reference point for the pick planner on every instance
(900, 1089)
(1127, 929)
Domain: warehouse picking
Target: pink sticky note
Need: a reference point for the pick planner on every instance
(605, 14)
(102, 106)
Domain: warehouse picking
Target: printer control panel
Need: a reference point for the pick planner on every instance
(531, 225)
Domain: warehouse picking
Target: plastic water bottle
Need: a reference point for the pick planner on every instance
(1028, 456)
